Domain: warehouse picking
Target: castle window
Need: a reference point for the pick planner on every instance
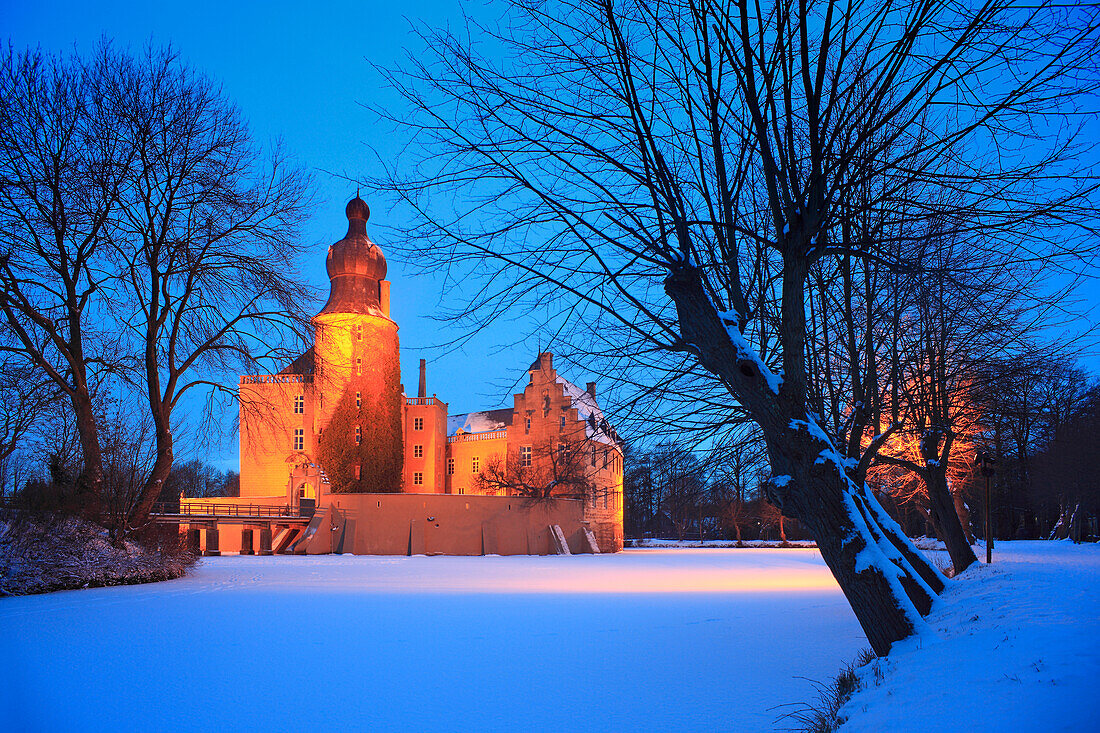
(525, 455)
(418, 451)
(605, 457)
(299, 439)
(359, 332)
(450, 467)
(358, 472)
(358, 400)
(527, 425)
(593, 456)
(358, 435)
(299, 405)
(562, 427)
(475, 465)
(461, 490)
(418, 423)
(418, 478)
(359, 366)
(593, 498)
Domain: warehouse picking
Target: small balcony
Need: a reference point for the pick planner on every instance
(277, 379)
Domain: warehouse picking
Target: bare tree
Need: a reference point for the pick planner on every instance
(553, 469)
(25, 398)
(61, 165)
(205, 233)
(736, 470)
(677, 169)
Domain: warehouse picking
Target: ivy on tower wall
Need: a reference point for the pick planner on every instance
(380, 452)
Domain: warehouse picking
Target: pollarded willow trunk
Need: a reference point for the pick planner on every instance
(896, 536)
(887, 593)
(868, 557)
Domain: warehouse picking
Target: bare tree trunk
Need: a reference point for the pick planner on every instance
(158, 475)
(964, 515)
(89, 486)
(942, 508)
(809, 481)
(887, 598)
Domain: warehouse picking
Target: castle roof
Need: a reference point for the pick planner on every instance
(480, 422)
(596, 426)
(355, 266)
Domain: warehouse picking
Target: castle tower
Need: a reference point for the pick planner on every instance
(358, 367)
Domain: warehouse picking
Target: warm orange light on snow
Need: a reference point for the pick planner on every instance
(800, 570)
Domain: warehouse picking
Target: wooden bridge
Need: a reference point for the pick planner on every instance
(283, 529)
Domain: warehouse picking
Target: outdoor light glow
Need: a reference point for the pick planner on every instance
(660, 572)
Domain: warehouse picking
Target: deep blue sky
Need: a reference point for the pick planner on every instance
(300, 71)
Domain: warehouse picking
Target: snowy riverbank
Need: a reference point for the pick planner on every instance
(1014, 646)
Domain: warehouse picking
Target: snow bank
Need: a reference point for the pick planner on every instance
(47, 554)
(1012, 646)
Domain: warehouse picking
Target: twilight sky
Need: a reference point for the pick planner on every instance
(300, 71)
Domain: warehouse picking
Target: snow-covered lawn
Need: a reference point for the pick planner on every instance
(1015, 646)
(692, 640)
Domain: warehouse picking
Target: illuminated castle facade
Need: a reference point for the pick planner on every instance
(336, 426)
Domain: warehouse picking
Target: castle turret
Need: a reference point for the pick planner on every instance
(358, 366)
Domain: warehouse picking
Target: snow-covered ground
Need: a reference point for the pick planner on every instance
(1015, 646)
(649, 639)
(719, 543)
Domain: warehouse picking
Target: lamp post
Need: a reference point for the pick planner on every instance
(985, 461)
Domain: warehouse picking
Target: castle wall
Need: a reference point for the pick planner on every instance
(463, 449)
(399, 524)
(267, 424)
(425, 422)
(547, 417)
(358, 374)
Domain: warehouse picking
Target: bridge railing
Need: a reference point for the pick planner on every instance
(208, 509)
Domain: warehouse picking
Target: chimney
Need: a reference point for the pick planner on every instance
(423, 392)
(592, 389)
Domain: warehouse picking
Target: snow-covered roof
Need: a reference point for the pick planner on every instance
(479, 422)
(596, 426)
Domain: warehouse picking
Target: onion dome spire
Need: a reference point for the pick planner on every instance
(356, 266)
